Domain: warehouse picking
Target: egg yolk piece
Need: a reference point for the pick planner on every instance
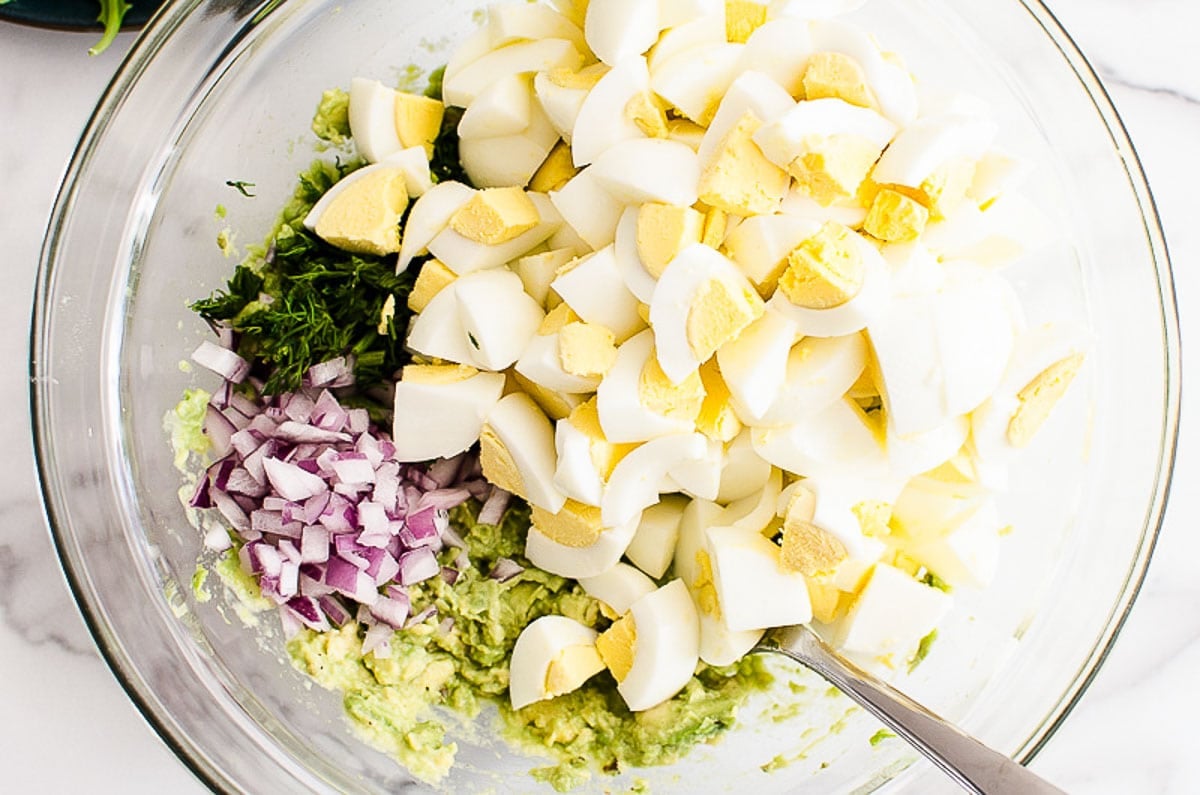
(1038, 398)
(825, 271)
(576, 525)
(837, 75)
(365, 217)
(618, 646)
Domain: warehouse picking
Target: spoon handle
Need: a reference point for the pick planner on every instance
(969, 762)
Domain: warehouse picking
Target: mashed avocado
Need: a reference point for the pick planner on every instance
(393, 700)
(185, 424)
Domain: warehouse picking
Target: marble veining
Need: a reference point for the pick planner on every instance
(1131, 733)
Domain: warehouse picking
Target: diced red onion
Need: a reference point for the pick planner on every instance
(328, 373)
(217, 539)
(375, 641)
(219, 430)
(446, 625)
(420, 618)
(314, 544)
(299, 407)
(493, 508)
(232, 512)
(292, 482)
(337, 614)
(505, 569)
(418, 565)
(359, 421)
(289, 578)
(444, 471)
(450, 575)
(222, 361)
(356, 469)
(299, 433)
(392, 612)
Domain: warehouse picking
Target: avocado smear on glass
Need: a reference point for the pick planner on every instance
(393, 702)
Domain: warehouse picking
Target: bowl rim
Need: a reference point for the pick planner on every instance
(164, 22)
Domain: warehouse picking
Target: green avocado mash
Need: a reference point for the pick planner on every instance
(393, 700)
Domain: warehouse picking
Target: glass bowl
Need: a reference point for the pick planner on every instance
(224, 91)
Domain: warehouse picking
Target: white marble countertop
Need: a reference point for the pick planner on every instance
(66, 725)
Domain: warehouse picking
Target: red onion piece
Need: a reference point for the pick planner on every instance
(505, 569)
(222, 361)
(418, 565)
(493, 508)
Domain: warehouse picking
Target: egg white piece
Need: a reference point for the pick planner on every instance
(891, 84)
(539, 645)
(577, 562)
(414, 164)
(463, 87)
(968, 555)
(1012, 227)
(760, 244)
(636, 480)
(373, 119)
(858, 313)
(620, 29)
(560, 103)
(575, 473)
(529, 438)
(667, 648)
(619, 587)
(440, 420)
(629, 262)
(1035, 350)
(463, 255)
(697, 517)
(697, 31)
(754, 512)
(754, 365)
(836, 498)
(920, 452)
(925, 145)
(649, 170)
(744, 473)
(589, 209)
(674, 298)
(975, 332)
(470, 49)
(622, 416)
(718, 644)
(928, 508)
(755, 591)
(780, 49)
(596, 292)
(602, 121)
(508, 23)
(801, 205)
(541, 363)
(537, 271)
(678, 12)
(911, 378)
(653, 544)
(915, 269)
(891, 615)
(503, 108)
(997, 173)
(699, 477)
(833, 442)
(497, 315)
(437, 331)
(692, 80)
(429, 215)
(820, 370)
(813, 9)
(509, 159)
(752, 92)
(784, 139)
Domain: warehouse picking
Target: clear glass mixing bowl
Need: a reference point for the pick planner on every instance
(224, 90)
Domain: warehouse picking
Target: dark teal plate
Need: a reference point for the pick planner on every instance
(74, 14)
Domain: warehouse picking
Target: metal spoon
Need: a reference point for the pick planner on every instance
(974, 766)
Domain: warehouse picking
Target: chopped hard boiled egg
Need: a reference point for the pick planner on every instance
(517, 452)
(653, 649)
(755, 588)
(653, 544)
(702, 302)
(574, 543)
(440, 409)
(362, 212)
(618, 588)
(552, 656)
